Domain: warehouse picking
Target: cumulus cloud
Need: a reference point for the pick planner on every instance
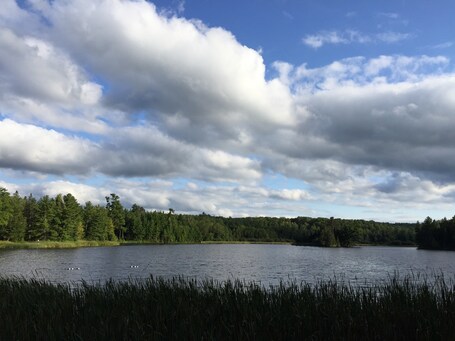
(40, 83)
(145, 151)
(406, 126)
(190, 77)
(135, 151)
(28, 147)
(390, 112)
(33, 68)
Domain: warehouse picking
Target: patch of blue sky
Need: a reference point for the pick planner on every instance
(146, 117)
(28, 6)
(182, 183)
(417, 24)
(279, 181)
(97, 138)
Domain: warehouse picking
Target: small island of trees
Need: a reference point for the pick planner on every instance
(62, 218)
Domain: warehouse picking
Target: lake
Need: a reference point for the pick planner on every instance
(266, 264)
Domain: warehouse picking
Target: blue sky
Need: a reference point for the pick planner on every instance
(234, 108)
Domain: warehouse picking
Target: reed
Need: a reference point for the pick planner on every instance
(183, 309)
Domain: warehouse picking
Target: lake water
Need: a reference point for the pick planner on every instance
(266, 264)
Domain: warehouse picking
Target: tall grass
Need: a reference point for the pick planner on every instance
(46, 244)
(182, 309)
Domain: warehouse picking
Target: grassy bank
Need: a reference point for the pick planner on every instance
(88, 243)
(55, 245)
(281, 242)
(185, 309)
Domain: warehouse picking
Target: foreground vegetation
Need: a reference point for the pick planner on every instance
(186, 309)
(63, 219)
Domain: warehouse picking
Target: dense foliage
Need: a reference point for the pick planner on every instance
(63, 219)
(180, 309)
(436, 234)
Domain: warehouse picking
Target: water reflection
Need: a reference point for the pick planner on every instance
(265, 264)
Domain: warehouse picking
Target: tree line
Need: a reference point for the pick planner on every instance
(436, 234)
(62, 218)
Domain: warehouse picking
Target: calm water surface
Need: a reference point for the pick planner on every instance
(267, 264)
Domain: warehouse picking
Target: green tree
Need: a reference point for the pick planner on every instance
(5, 211)
(327, 237)
(15, 230)
(72, 218)
(56, 222)
(117, 214)
(45, 217)
(30, 212)
(98, 225)
(135, 223)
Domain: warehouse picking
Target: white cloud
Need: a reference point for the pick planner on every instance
(40, 83)
(317, 40)
(216, 82)
(33, 68)
(444, 45)
(360, 71)
(134, 151)
(392, 37)
(389, 15)
(387, 112)
(290, 194)
(145, 151)
(352, 36)
(28, 147)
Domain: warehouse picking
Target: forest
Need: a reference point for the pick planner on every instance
(436, 234)
(62, 218)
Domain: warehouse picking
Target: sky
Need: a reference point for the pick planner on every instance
(233, 108)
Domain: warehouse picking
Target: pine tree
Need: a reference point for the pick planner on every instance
(134, 223)
(98, 224)
(57, 220)
(15, 230)
(5, 211)
(72, 218)
(30, 212)
(117, 214)
(45, 217)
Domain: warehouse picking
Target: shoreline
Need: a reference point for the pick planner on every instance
(56, 245)
(96, 243)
